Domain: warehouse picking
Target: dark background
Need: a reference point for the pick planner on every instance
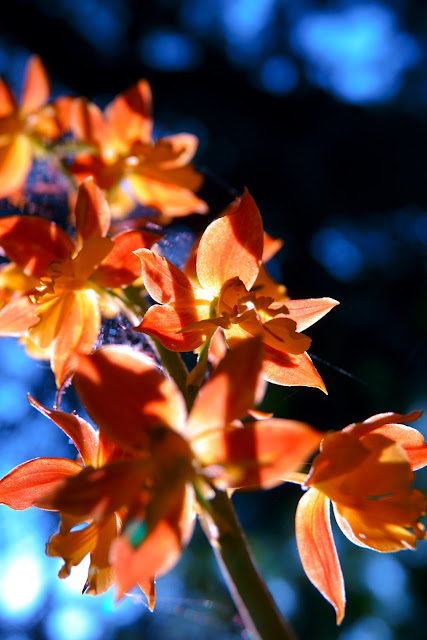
(319, 109)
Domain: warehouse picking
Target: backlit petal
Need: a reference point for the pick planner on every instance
(83, 435)
(7, 101)
(162, 193)
(231, 247)
(78, 332)
(36, 86)
(28, 484)
(92, 212)
(307, 312)
(317, 550)
(291, 370)
(164, 282)
(17, 316)
(15, 164)
(129, 115)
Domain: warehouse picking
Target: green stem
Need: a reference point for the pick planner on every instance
(254, 602)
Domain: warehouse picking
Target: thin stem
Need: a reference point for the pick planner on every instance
(246, 585)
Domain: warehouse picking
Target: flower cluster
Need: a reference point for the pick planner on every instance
(166, 440)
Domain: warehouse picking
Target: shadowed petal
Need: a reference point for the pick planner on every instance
(317, 550)
(101, 574)
(231, 246)
(160, 550)
(122, 266)
(258, 454)
(126, 396)
(224, 398)
(33, 243)
(27, 484)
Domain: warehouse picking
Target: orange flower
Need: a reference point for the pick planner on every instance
(366, 471)
(158, 172)
(136, 490)
(53, 292)
(25, 128)
(223, 295)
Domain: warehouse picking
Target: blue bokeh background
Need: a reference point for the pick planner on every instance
(319, 108)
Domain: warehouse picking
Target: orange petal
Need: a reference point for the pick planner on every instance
(258, 454)
(387, 524)
(33, 243)
(126, 396)
(224, 398)
(271, 246)
(410, 439)
(52, 312)
(317, 550)
(73, 546)
(159, 551)
(87, 122)
(27, 484)
(17, 317)
(166, 324)
(92, 212)
(83, 435)
(101, 574)
(164, 281)
(360, 429)
(231, 247)
(182, 147)
(93, 252)
(15, 164)
(78, 332)
(290, 370)
(97, 493)
(7, 101)
(129, 115)
(122, 265)
(307, 312)
(36, 86)
(161, 192)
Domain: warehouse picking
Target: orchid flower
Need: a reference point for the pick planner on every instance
(158, 172)
(55, 288)
(366, 471)
(134, 482)
(26, 127)
(222, 295)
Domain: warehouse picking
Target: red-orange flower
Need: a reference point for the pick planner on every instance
(25, 127)
(366, 471)
(158, 172)
(136, 490)
(54, 290)
(223, 295)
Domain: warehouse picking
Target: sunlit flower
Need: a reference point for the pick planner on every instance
(158, 173)
(223, 295)
(136, 489)
(55, 289)
(25, 128)
(366, 471)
